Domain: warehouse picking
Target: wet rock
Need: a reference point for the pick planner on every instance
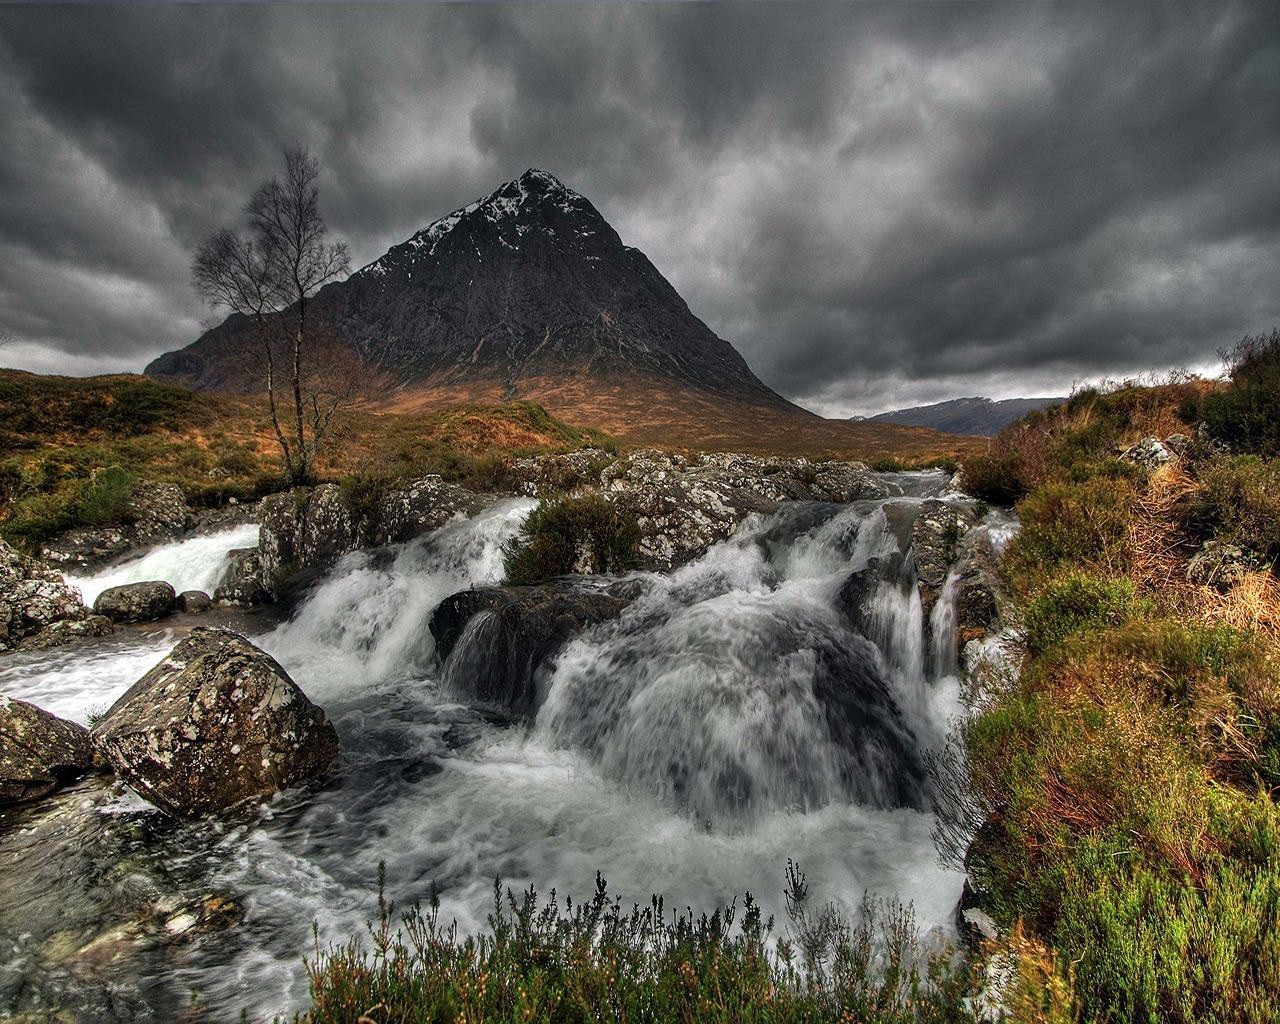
(935, 542)
(858, 593)
(32, 597)
(66, 631)
(218, 721)
(978, 591)
(136, 602)
(243, 583)
(156, 513)
(559, 472)
(1150, 453)
(843, 482)
(39, 752)
(494, 640)
(194, 602)
(309, 529)
(306, 528)
(159, 513)
(683, 507)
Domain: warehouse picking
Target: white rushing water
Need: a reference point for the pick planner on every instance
(770, 701)
(197, 563)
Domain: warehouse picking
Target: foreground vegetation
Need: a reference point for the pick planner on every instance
(1124, 776)
(598, 961)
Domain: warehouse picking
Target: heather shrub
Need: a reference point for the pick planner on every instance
(543, 961)
(1246, 414)
(1071, 526)
(1238, 502)
(1078, 602)
(559, 533)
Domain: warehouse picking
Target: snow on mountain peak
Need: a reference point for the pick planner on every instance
(505, 203)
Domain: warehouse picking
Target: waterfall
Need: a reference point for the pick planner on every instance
(197, 563)
(770, 700)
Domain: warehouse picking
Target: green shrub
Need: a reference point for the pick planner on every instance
(1246, 413)
(1238, 502)
(995, 476)
(1164, 948)
(560, 530)
(1070, 526)
(1076, 603)
(104, 500)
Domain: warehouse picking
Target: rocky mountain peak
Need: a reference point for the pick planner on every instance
(526, 285)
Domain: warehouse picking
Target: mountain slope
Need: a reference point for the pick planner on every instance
(529, 293)
(976, 416)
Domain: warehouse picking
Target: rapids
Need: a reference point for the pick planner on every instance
(736, 715)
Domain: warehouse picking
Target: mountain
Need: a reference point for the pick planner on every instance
(529, 293)
(526, 283)
(980, 416)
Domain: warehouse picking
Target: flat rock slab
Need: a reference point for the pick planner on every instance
(218, 721)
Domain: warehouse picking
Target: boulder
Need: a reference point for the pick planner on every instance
(308, 529)
(32, 597)
(65, 631)
(1221, 564)
(494, 640)
(684, 507)
(977, 597)
(243, 584)
(1150, 453)
(302, 529)
(194, 602)
(421, 507)
(136, 602)
(216, 722)
(38, 751)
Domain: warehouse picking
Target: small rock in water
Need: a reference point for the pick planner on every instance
(218, 721)
(136, 602)
(193, 602)
(38, 751)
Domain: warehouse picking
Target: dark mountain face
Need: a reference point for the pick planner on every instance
(527, 283)
(979, 416)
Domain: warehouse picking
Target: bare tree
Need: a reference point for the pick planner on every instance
(268, 276)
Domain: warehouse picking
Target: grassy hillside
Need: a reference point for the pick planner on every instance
(1125, 775)
(74, 447)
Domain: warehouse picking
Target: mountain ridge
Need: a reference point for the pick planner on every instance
(975, 416)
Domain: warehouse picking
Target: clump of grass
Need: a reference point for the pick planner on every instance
(561, 533)
(1238, 501)
(541, 961)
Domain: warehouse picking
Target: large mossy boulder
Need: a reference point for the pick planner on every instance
(218, 721)
(137, 602)
(39, 752)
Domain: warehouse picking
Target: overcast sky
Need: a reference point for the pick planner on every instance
(879, 205)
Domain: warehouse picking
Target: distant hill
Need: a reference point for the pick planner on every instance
(529, 293)
(978, 416)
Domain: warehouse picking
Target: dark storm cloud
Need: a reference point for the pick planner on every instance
(878, 204)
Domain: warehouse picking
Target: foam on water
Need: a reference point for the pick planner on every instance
(197, 563)
(689, 748)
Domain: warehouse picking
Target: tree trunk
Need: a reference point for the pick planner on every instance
(303, 462)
